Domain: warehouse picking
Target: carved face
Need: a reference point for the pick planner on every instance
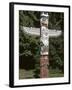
(44, 36)
(44, 21)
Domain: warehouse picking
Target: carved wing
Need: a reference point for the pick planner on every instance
(31, 30)
(55, 33)
(36, 31)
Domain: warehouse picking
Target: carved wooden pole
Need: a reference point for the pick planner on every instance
(44, 59)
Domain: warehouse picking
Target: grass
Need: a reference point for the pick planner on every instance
(25, 74)
(55, 73)
(29, 74)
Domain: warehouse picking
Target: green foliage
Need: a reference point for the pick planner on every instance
(29, 18)
(29, 45)
(56, 53)
(56, 21)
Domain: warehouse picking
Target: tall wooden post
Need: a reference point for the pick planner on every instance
(44, 59)
(44, 62)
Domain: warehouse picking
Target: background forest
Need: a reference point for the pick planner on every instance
(29, 46)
